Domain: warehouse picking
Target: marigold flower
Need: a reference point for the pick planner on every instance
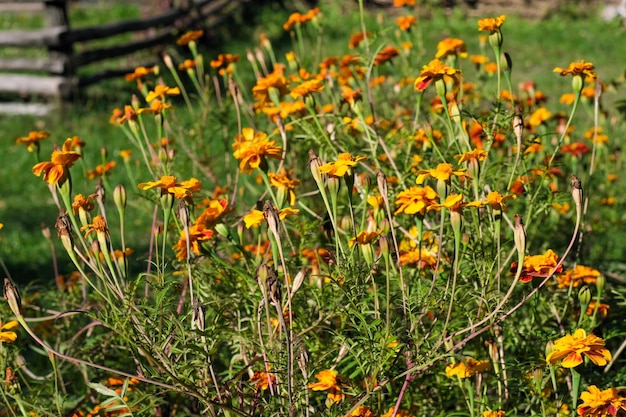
(570, 348)
(454, 202)
(443, 172)
(252, 148)
(343, 165)
(400, 413)
(596, 403)
(82, 203)
(577, 149)
(539, 116)
(141, 72)
(603, 309)
(99, 226)
(401, 3)
(435, 70)
(285, 186)
(328, 380)
(386, 54)
(160, 91)
(357, 38)
(100, 170)
(57, 170)
(415, 200)
(362, 411)
(498, 413)
(581, 68)
(364, 238)
(168, 184)
(223, 60)
(256, 217)
(479, 59)
(405, 22)
(298, 18)
(156, 107)
(32, 139)
(451, 46)
(491, 24)
(275, 84)
(7, 336)
(262, 380)
(473, 155)
(496, 201)
(467, 368)
(190, 36)
(538, 265)
(307, 88)
(577, 276)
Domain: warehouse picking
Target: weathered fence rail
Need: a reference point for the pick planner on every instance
(57, 76)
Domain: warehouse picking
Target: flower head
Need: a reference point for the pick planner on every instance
(274, 86)
(496, 201)
(328, 380)
(443, 172)
(451, 46)
(491, 24)
(32, 139)
(385, 55)
(435, 70)
(570, 349)
(252, 149)
(596, 403)
(405, 22)
(141, 72)
(57, 170)
(190, 36)
(344, 163)
(467, 368)
(581, 68)
(538, 266)
(160, 91)
(6, 335)
(262, 380)
(415, 200)
(167, 184)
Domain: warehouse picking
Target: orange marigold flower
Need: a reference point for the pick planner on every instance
(538, 266)
(491, 68)
(343, 165)
(467, 368)
(7, 336)
(385, 55)
(100, 170)
(479, 59)
(451, 46)
(401, 3)
(539, 116)
(473, 155)
(581, 68)
(82, 203)
(156, 107)
(262, 380)
(99, 226)
(498, 413)
(275, 84)
(577, 149)
(570, 348)
(577, 276)
(603, 309)
(400, 413)
(223, 60)
(252, 148)
(600, 137)
(435, 70)
(328, 380)
(33, 139)
(187, 64)
(596, 403)
(364, 238)
(491, 24)
(415, 200)
(160, 91)
(307, 88)
(57, 170)
(568, 99)
(443, 172)
(284, 185)
(496, 201)
(362, 411)
(256, 217)
(405, 22)
(298, 18)
(357, 38)
(141, 72)
(168, 184)
(454, 202)
(190, 36)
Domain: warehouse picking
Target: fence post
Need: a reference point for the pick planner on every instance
(55, 14)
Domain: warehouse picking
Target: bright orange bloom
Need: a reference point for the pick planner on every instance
(141, 72)
(284, 185)
(223, 60)
(256, 217)
(577, 149)
(33, 139)
(187, 64)
(57, 170)
(100, 170)
(328, 380)
(538, 266)
(603, 309)
(262, 380)
(298, 18)
(498, 413)
(400, 413)
(539, 116)
(496, 201)
(570, 348)
(454, 202)
(156, 107)
(473, 155)
(343, 165)
(357, 38)
(596, 403)
(385, 55)
(7, 336)
(99, 226)
(168, 184)
(491, 24)
(160, 91)
(275, 85)
(581, 68)
(451, 46)
(577, 276)
(415, 200)
(364, 238)
(307, 88)
(479, 59)
(435, 70)
(82, 203)
(400, 3)
(467, 368)
(443, 172)
(362, 411)
(252, 148)
(405, 22)
(190, 36)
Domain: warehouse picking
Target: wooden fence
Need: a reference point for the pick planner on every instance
(57, 75)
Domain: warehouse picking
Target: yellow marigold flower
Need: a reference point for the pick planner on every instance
(156, 107)
(328, 380)
(479, 59)
(567, 99)
(443, 172)
(274, 84)
(141, 72)
(570, 348)
(7, 336)
(496, 201)
(538, 265)
(32, 139)
(386, 54)
(362, 411)
(256, 217)
(498, 413)
(190, 36)
(435, 70)
(344, 163)
(285, 186)
(491, 24)
(451, 46)
(603, 309)
(454, 202)
(82, 203)
(581, 68)
(577, 276)
(364, 238)
(473, 155)
(98, 226)
(299, 18)
(57, 170)
(252, 148)
(405, 22)
(400, 413)
(168, 184)
(262, 380)
(596, 403)
(415, 200)
(160, 91)
(600, 137)
(539, 116)
(467, 368)
(307, 88)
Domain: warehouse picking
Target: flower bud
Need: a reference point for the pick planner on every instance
(119, 197)
(509, 63)
(314, 163)
(385, 249)
(600, 282)
(577, 191)
(223, 230)
(519, 235)
(584, 297)
(577, 84)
